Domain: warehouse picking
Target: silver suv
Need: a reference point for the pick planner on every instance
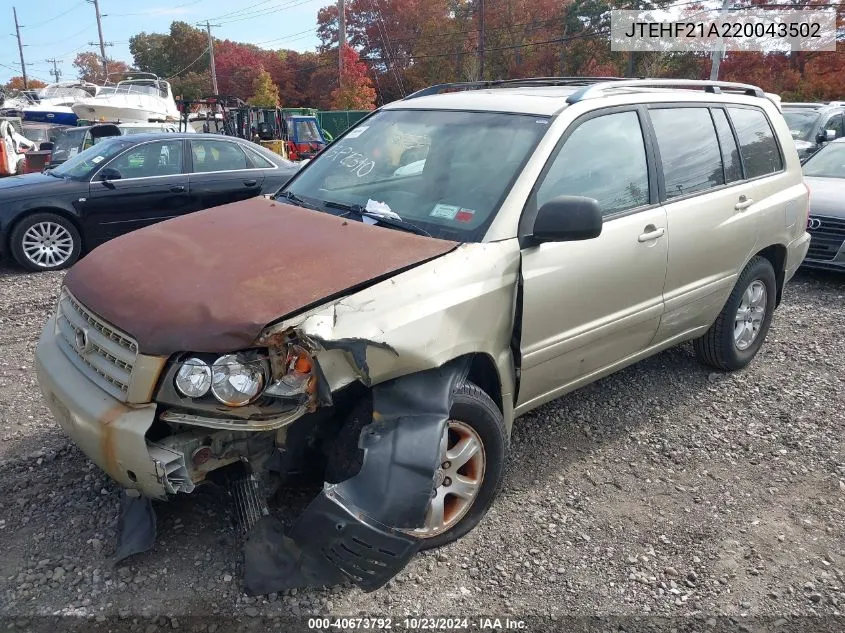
(456, 259)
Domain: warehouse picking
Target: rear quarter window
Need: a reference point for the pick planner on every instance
(757, 144)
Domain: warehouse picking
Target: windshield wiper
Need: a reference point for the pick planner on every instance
(380, 218)
(292, 197)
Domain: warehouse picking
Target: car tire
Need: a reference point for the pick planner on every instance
(61, 241)
(740, 329)
(479, 418)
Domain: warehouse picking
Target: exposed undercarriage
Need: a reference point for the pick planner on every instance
(378, 451)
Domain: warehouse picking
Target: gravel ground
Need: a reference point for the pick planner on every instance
(664, 489)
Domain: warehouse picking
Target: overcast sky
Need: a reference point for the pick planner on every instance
(62, 28)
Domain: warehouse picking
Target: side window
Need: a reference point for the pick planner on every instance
(257, 159)
(689, 150)
(604, 158)
(163, 158)
(727, 142)
(217, 156)
(837, 123)
(757, 143)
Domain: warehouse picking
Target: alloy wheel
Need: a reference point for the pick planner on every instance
(457, 481)
(47, 244)
(750, 315)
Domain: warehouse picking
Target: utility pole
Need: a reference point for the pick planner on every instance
(20, 48)
(480, 40)
(211, 55)
(96, 4)
(719, 51)
(341, 39)
(630, 72)
(55, 72)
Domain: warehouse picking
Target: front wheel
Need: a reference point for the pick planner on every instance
(45, 241)
(473, 451)
(741, 327)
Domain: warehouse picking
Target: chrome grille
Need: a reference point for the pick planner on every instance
(100, 351)
(828, 234)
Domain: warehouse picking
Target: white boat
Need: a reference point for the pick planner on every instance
(139, 97)
(53, 103)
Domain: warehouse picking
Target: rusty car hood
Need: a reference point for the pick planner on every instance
(212, 280)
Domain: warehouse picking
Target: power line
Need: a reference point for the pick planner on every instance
(55, 17)
(201, 55)
(126, 15)
(268, 11)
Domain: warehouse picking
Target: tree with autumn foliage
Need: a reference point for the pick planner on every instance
(266, 93)
(356, 91)
(89, 67)
(16, 83)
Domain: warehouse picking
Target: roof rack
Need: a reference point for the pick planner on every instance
(715, 87)
(510, 83)
(797, 104)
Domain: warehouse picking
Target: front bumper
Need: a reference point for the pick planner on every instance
(796, 251)
(109, 432)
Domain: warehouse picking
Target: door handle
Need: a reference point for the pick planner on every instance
(177, 189)
(651, 234)
(744, 203)
(250, 183)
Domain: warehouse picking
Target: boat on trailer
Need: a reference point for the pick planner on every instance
(54, 103)
(138, 97)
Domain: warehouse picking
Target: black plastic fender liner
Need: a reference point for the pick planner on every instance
(354, 529)
(136, 526)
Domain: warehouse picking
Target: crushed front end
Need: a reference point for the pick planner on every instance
(161, 426)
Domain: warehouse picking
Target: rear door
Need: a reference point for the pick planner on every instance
(221, 173)
(711, 212)
(153, 186)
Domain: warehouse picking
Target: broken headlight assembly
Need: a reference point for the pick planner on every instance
(250, 384)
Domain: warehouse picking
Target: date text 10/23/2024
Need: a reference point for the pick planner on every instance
(417, 624)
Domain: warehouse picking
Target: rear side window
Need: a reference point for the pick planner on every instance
(757, 143)
(257, 159)
(689, 150)
(217, 156)
(727, 143)
(604, 158)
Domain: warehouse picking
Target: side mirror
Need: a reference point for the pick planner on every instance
(45, 147)
(109, 173)
(826, 136)
(567, 219)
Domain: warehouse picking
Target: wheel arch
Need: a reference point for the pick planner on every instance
(484, 373)
(776, 255)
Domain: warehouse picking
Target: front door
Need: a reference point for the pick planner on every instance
(589, 305)
(151, 187)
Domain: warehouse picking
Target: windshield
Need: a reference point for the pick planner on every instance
(67, 144)
(828, 163)
(307, 132)
(84, 163)
(444, 171)
(801, 123)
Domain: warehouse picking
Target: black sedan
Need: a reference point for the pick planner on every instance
(824, 174)
(48, 220)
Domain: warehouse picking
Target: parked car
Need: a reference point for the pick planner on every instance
(40, 133)
(48, 220)
(814, 124)
(824, 174)
(77, 139)
(387, 328)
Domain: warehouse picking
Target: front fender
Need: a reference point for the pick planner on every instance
(459, 304)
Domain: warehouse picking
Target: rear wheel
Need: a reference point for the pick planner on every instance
(473, 451)
(740, 329)
(45, 241)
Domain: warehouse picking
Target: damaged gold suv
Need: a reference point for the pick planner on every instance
(454, 260)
